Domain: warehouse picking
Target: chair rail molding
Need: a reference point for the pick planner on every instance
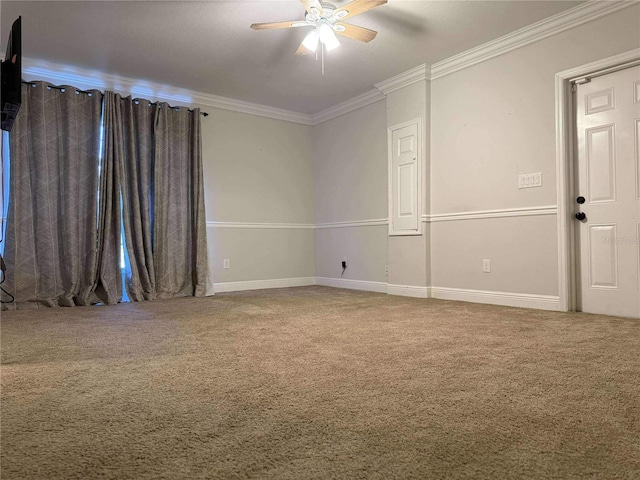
(374, 222)
(355, 223)
(495, 213)
(288, 226)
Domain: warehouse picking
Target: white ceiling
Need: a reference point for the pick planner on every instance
(209, 47)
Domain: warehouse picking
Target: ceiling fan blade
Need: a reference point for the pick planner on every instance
(357, 7)
(309, 4)
(357, 33)
(267, 26)
(302, 50)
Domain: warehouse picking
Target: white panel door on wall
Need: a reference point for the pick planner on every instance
(608, 194)
(404, 176)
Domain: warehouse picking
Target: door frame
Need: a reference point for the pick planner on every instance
(565, 171)
(392, 232)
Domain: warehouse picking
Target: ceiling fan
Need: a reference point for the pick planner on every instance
(327, 21)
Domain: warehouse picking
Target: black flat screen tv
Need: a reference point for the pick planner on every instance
(11, 86)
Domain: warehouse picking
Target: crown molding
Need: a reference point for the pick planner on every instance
(605, 63)
(529, 34)
(416, 74)
(234, 105)
(532, 33)
(350, 105)
(34, 69)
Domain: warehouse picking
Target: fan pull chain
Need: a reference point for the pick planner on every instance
(322, 55)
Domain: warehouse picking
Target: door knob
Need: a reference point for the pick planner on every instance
(580, 216)
(580, 200)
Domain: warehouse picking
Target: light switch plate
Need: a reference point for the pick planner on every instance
(530, 180)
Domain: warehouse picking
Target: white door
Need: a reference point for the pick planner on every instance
(608, 141)
(404, 177)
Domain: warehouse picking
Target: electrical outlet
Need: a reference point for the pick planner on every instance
(486, 265)
(386, 270)
(225, 263)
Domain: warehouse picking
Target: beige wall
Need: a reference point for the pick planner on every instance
(260, 253)
(350, 175)
(364, 247)
(522, 250)
(496, 119)
(350, 166)
(484, 125)
(491, 122)
(409, 255)
(351, 184)
(258, 170)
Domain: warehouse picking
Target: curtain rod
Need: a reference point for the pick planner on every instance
(90, 92)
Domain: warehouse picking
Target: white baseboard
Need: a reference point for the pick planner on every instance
(408, 291)
(211, 287)
(368, 286)
(262, 284)
(524, 300)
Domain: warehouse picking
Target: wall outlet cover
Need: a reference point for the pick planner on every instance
(486, 265)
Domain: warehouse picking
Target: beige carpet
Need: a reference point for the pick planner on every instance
(316, 382)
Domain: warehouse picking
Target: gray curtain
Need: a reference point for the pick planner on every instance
(55, 251)
(180, 226)
(129, 146)
(157, 153)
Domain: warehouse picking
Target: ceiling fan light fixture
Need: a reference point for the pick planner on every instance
(310, 42)
(328, 36)
(325, 20)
